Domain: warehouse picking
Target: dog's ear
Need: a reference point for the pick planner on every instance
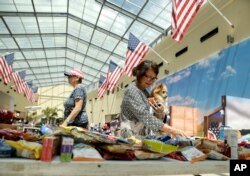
(156, 89)
(161, 86)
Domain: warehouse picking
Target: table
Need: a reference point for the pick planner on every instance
(25, 167)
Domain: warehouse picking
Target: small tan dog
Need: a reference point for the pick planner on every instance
(159, 96)
(160, 93)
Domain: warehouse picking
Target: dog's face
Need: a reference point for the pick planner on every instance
(160, 90)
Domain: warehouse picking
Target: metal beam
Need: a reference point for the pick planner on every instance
(133, 16)
(61, 80)
(38, 25)
(51, 48)
(60, 35)
(19, 69)
(66, 15)
(62, 65)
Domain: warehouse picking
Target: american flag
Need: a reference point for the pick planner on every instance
(135, 53)
(29, 83)
(115, 73)
(102, 86)
(182, 15)
(6, 67)
(34, 96)
(34, 89)
(27, 91)
(18, 81)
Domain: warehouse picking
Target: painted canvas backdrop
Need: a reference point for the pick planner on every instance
(202, 84)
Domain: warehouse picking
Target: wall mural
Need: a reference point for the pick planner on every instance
(203, 84)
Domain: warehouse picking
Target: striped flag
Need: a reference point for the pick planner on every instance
(18, 81)
(34, 96)
(27, 91)
(102, 86)
(34, 89)
(135, 53)
(183, 13)
(22, 74)
(29, 83)
(115, 73)
(6, 67)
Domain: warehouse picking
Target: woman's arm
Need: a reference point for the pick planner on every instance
(170, 130)
(74, 112)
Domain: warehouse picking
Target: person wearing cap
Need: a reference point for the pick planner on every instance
(75, 111)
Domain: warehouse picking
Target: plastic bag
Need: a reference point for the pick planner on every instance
(143, 155)
(5, 150)
(83, 152)
(26, 149)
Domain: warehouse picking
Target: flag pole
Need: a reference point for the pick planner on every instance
(164, 60)
(221, 14)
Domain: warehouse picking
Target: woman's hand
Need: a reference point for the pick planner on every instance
(180, 133)
(170, 130)
(65, 123)
(158, 107)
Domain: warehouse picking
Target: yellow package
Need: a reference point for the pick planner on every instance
(26, 149)
(143, 155)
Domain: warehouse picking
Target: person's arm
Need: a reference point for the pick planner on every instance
(74, 112)
(170, 130)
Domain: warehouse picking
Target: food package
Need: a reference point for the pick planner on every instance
(244, 154)
(83, 152)
(117, 148)
(211, 144)
(176, 155)
(134, 140)
(212, 154)
(66, 149)
(10, 134)
(31, 150)
(129, 155)
(145, 155)
(158, 146)
(193, 154)
(5, 149)
(49, 148)
(30, 137)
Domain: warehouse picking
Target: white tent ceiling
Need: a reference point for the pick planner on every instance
(50, 37)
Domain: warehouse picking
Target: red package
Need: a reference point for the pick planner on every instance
(49, 148)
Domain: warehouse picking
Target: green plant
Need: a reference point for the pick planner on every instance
(51, 114)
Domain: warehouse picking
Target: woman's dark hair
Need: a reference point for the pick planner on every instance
(143, 67)
(80, 80)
